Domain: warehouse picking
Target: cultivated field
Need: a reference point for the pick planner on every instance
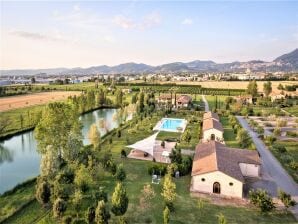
(231, 84)
(16, 102)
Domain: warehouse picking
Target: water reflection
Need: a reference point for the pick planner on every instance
(19, 159)
(5, 154)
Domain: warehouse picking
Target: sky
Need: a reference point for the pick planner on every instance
(83, 34)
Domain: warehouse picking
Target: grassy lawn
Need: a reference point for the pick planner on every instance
(212, 99)
(286, 157)
(229, 135)
(186, 211)
(10, 203)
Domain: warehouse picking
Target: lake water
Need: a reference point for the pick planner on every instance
(19, 159)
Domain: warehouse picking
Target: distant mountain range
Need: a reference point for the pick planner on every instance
(285, 63)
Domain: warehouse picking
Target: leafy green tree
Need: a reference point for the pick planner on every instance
(102, 214)
(119, 200)
(169, 191)
(286, 199)
(83, 178)
(119, 97)
(186, 136)
(252, 88)
(267, 88)
(77, 200)
(59, 130)
(59, 207)
(43, 192)
(243, 138)
(141, 103)
(166, 215)
(120, 173)
(94, 136)
(280, 87)
(100, 195)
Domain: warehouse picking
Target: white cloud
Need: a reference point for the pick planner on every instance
(148, 21)
(36, 36)
(124, 22)
(187, 21)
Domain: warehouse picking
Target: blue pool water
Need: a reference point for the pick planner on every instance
(172, 124)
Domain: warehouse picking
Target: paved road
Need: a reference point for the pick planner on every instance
(206, 103)
(272, 168)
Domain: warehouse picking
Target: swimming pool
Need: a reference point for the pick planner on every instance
(171, 125)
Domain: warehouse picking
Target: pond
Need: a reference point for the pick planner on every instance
(19, 159)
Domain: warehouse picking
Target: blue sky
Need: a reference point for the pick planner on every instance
(82, 34)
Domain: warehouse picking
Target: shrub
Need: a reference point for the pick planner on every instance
(90, 215)
(158, 169)
(294, 165)
(261, 199)
(120, 173)
(123, 153)
(67, 219)
(280, 148)
(286, 158)
(286, 199)
(276, 132)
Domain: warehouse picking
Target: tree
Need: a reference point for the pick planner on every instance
(83, 178)
(119, 200)
(261, 199)
(166, 215)
(286, 199)
(77, 200)
(243, 138)
(176, 156)
(119, 97)
(280, 87)
(90, 215)
(94, 136)
(141, 103)
(60, 129)
(169, 191)
(186, 136)
(102, 215)
(267, 88)
(252, 88)
(120, 173)
(43, 192)
(59, 207)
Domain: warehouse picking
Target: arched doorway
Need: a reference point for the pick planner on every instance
(212, 136)
(216, 188)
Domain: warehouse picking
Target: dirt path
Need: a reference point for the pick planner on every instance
(206, 103)
(15, 102)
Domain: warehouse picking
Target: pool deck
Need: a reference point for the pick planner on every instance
(158, 126)
(157, 152)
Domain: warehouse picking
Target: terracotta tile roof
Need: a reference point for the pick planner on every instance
(184, 99)
(209, 115)
(212, 123)
(214, 156)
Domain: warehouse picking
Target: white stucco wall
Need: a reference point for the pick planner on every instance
(250, 170)
(236, 190)
(207, 135)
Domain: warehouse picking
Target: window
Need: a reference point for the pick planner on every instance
(231, 184)
(203, 179)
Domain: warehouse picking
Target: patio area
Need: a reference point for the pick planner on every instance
(150, 149)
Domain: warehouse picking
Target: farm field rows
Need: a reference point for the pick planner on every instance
(16, 102)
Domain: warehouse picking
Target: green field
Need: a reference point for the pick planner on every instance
(229, 135)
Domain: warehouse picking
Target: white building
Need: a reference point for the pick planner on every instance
(212, 130)
(220, 170)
